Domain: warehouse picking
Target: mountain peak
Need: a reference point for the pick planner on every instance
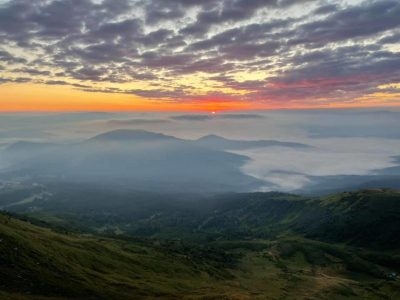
(131, 135)
(211, 137)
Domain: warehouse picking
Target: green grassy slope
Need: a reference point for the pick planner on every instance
(40, 261)
(37, 263)
(368, 218)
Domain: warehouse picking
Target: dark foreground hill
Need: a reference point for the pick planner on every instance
(234, 246)
(38, 263)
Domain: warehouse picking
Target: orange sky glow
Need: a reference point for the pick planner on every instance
(40, 98)
(90, 56)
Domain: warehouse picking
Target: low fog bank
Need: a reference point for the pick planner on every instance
(292, 151)
(294, 169)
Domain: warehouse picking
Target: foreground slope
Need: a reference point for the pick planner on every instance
(39, 261)
(249, 259)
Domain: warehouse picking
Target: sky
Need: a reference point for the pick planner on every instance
(189, 55)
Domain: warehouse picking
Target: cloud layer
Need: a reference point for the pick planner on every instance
(274, 52)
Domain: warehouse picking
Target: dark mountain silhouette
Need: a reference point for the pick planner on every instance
(217, 142)
(127, 135)
(134, 158)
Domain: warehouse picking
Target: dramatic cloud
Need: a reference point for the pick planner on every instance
(203, 117)
(280, 53)
(241, 116)
(15, 80)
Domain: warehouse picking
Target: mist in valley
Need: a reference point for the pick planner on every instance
(290, 151)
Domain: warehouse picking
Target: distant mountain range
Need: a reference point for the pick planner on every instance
(133, 158)
(142, 160)
(220, 143)
(131, 136)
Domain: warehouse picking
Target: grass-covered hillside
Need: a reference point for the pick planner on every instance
(366, 218)
(38, 261)
(245, 246)
(369, 218)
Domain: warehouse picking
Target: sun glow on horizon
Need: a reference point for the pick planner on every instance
(113, 59)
